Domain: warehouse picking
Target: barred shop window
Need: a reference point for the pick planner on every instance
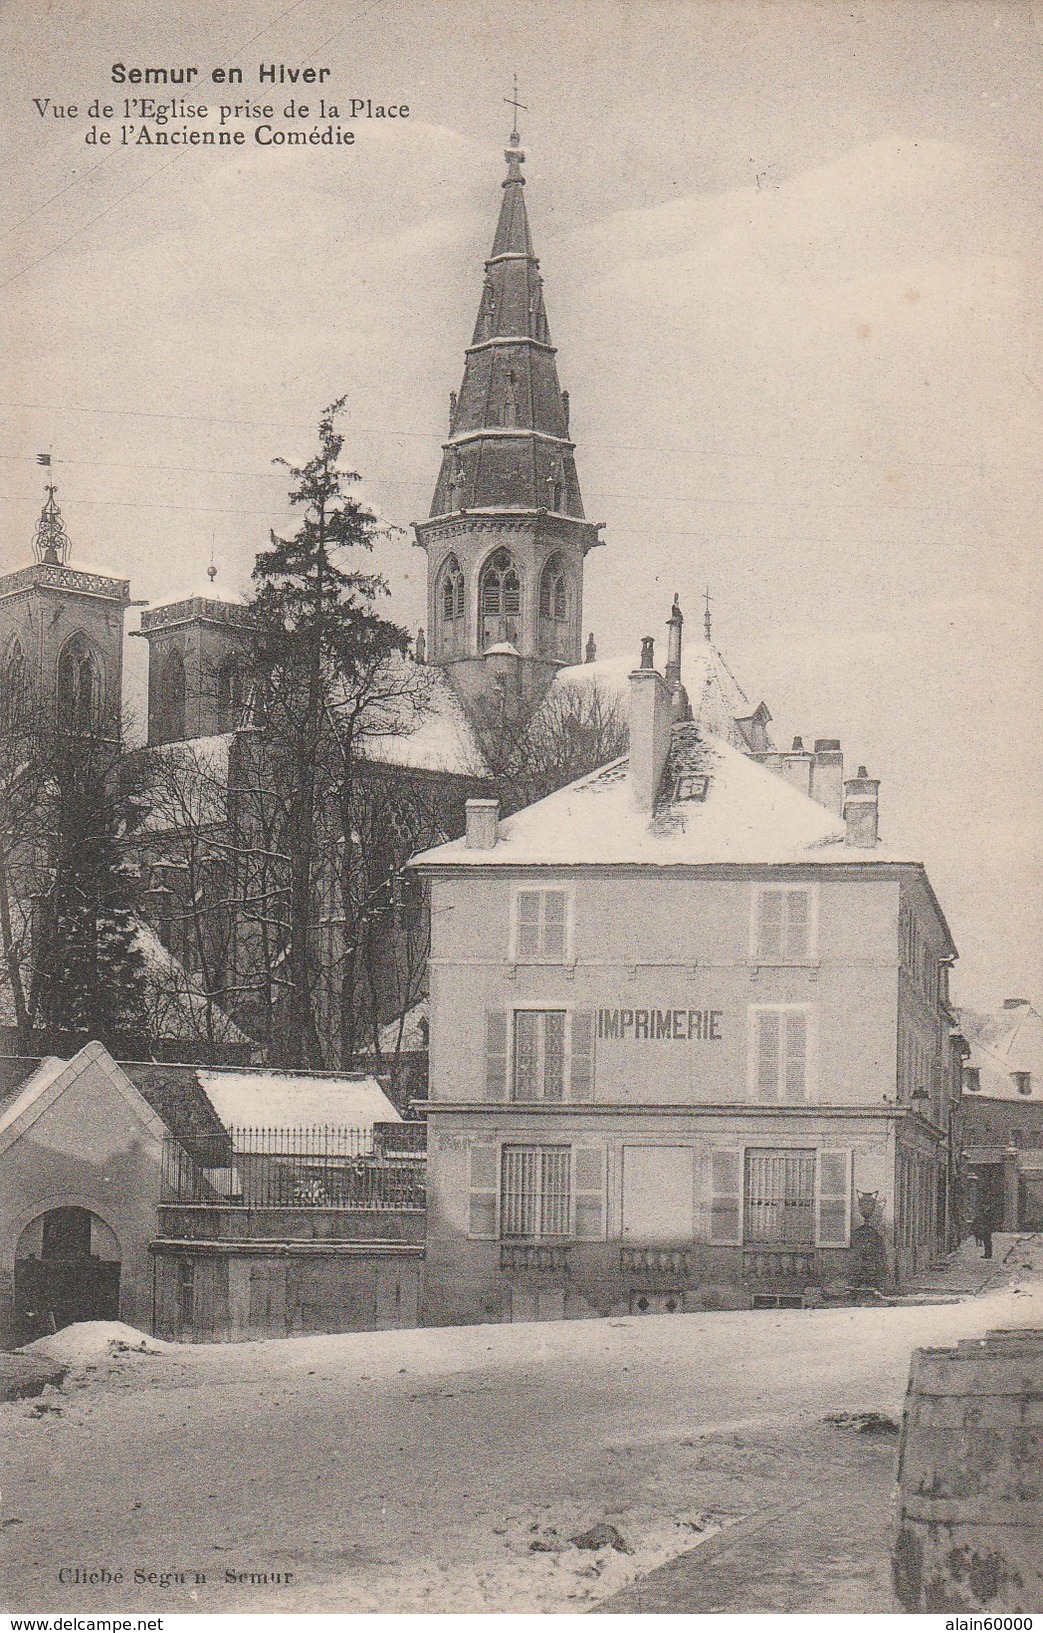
(535, 1192)
(539, 1054)
(779, 1197)
(780, 1054)
(540, 925)
(782, 923)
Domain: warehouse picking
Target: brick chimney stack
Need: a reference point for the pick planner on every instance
(651, 716)
(861, 810)
(483, 824)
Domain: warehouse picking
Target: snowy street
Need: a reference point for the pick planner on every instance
(448, 1469)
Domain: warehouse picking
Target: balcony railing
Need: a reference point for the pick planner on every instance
(672, 1262)
(269, 1168)
(542, 1256)
(771, 1264)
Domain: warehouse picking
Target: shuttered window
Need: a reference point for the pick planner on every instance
(726, 1197)
(540, 925)
(496, 1054)
(482, 1191)
(779, 1197)
(589, 1166)
(535, 1192)
(782, 924)
(834, 1199)
(581, 1066)
(780, 1053)
(539, 1054)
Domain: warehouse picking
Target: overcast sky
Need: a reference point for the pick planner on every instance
(792, 261)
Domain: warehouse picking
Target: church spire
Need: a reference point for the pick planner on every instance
(506, 535)
(509, 441)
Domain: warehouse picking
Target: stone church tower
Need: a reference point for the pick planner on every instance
(199, 660)
(61, 633)
(506, 536)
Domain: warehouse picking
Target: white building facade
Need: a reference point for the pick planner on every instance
(690, 1041)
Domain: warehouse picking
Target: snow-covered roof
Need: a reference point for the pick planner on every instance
(34, 1084)
(263, 1100)
(1017, 1050)
(179, 1009)
(422, 726)
(747, 815)
(715, 695)
(199, 788)
(414, 1030)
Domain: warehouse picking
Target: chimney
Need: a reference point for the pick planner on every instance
(827, 775)
(651, 716)
(861, 810)
(483, 824)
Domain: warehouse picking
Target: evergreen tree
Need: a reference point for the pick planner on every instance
(322, 659)
(89, 974)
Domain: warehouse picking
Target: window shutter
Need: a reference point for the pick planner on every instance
(834, 1198)
(553, 924)
(796, 1055)
(482, 1191)
(527, 939)
(526, 1084)
(581, 1083)
(726, 1198)
(796, 939)
(766, 1022)
(769, 924)
(496, 1055)
(589, 1171)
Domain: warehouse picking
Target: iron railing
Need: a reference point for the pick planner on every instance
(317, 1168)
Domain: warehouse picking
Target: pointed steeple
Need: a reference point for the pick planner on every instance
(506, 535)
(509, 441)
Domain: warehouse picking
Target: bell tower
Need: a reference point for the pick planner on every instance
(506, 537)
(61, 632)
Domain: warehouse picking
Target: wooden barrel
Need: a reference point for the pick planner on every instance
(969, 1532)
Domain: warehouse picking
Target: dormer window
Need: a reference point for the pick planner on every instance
(690, 786)
(1022, 1082)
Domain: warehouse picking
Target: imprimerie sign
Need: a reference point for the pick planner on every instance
(668, 1025)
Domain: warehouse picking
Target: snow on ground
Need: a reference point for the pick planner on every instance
(86, 1341)
(448, 1469)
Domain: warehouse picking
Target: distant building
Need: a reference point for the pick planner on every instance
(689, 1022)
(198, 1203)
(1003, 1116)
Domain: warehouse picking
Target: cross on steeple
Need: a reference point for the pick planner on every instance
(706, 615)
(512, 102)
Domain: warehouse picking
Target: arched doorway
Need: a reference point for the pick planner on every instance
(67, 1268)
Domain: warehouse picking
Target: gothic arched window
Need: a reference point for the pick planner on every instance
(451, 608)
(499, 597)
(174, 697)
(229, 694)
(79, 687)
(555, 622)
(14, 703)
